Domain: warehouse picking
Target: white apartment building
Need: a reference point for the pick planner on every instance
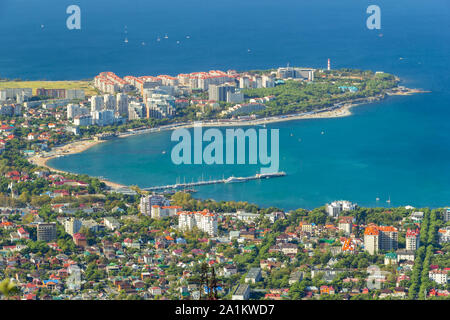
(380, 238)
(336, 207)
(412, 240)
(439, 276)
(111, 223)
(72, 226)
(158, 212)
(203, 220)
(447, 215)
(82, 120)
(97, 103)
(103, 117)
(147, 202)
(122, 103)
(109, 102)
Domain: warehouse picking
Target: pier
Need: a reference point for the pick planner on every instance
(231, 179)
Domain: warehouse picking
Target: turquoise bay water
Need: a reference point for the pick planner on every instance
(398, 148)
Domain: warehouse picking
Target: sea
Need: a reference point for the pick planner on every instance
(397, 149)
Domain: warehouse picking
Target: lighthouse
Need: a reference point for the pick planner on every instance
(329, 65)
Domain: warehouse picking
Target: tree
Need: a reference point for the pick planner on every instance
(8, 288)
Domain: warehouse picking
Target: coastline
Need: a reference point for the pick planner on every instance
(70, 148)
(344, 110)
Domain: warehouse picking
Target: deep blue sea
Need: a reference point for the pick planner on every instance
(398, 148)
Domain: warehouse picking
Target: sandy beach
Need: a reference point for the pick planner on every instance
(70, 148)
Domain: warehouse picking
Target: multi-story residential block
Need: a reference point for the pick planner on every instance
(345, 224)
(242, 292)
(439, 276)
(446, 215)
(109, 101)
(72, 226)
(111, 223)
(103, 117)
(97, 103)
(336, 207)
(82, 120)
(380, 238)
(412, 239)
(122, 104)
(203, 220)
(253, 275)
(147, 202)
(46, 231)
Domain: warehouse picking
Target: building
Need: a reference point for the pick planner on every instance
(336, 207)
(109, 102)
(295, 73)
(111, 223)
(245, 108)
(74, 94)
(235, 97)
(15, 94)
(439, 276)
(203, 220)
(447, 215)
(97, 103)
(74, 110)
(345, 224)
(136, 110)
(52, 93)
(72, 226)
(412, 240)
(158, 212)
(103, 117)
(82, 120)
(219, 92)
(253, 275)
(380, 238)
(242, 292)
(79, 239)
(160, 106)
(46, 231)
(122, 104)
(147, 202)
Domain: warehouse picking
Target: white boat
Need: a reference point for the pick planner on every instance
(126, 40)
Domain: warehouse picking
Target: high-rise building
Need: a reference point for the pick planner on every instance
(103, 117)
(52, 93)
(219, 92)
(447, 215)
(380, 238)
(72, 226)
(136, 110)
(412, 239)
(203, 220)
(109, 102)
(345, 224)
(336, 207)
(46, 231)
(97, 103)
(147, 202)
(122, 104)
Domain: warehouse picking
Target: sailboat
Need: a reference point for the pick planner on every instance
(389, 200)
(166, 36)
(126, 40)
